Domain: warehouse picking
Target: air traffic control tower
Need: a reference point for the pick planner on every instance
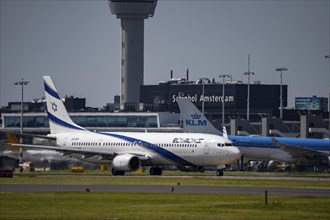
(132, 14)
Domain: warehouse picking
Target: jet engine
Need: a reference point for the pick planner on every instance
(126, 162)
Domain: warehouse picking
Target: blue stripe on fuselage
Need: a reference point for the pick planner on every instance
(51, 92)
(159, 150)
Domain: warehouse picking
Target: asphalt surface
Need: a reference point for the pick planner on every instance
(162, 189)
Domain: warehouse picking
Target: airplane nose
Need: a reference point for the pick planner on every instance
(233, 154)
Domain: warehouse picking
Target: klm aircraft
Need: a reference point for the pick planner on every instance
(128, 151)
(316, 151)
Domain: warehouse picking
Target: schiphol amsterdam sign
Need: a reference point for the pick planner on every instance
(205, 99)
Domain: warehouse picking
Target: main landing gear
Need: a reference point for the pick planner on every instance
(156, 171)
(117, 173)
(219, 173)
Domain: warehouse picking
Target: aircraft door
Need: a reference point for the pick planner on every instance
(65, 142)
(206, 148)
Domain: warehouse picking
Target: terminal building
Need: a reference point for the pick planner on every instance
(311, 103)
(264, 99)
(158, 111)
(96, 121)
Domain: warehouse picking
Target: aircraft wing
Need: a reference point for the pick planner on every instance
(27, 135)
(299, 152)
(86, 153)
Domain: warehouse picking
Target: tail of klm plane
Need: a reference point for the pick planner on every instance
(193, 120)
(59, 119)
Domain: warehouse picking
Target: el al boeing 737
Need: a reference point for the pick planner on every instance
(281, 149)
(127, 151)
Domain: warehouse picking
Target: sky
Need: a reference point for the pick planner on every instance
(77, 42)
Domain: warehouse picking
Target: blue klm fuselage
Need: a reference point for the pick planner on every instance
(322, 145)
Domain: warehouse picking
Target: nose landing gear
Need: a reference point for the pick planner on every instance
(219, 173)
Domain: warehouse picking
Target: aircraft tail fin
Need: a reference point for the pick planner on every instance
(59, 119)
(193, 120)
(11, 138)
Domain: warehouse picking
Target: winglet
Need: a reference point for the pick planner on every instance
(225, 134)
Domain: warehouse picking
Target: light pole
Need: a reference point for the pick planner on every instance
(223, 76)
(21, 83)
(203, 96)
(203, 93)
(328, 56)
(248, 95)
(281, 69)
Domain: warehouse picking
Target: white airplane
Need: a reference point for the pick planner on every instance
(36, 157)
(128, 151)
(28, 155)
(282, 149)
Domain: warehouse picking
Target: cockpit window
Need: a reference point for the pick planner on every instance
(225, 144)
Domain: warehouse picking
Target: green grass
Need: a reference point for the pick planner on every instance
(159, 206)
(93, 205)
(181, 173)
(168, 180)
